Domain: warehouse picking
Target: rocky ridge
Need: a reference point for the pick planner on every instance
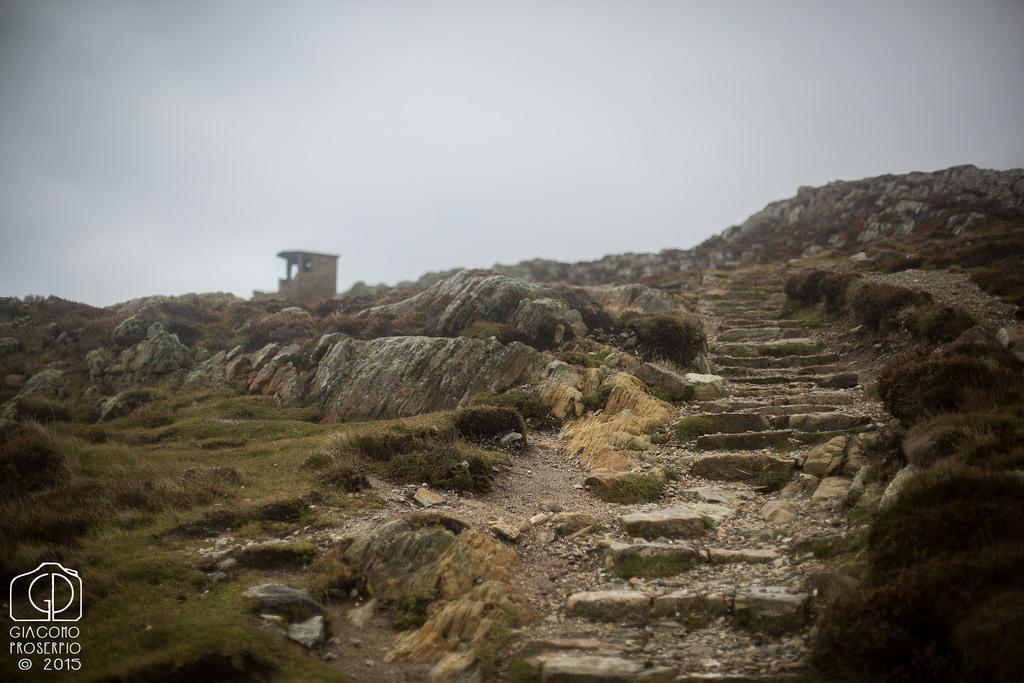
(841, 215)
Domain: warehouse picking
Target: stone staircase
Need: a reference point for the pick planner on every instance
(722, 578)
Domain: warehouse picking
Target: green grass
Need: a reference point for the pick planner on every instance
(122, 511)
(689, 428)
(636, 488)
(651, 567)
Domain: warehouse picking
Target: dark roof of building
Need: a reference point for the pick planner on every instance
(299, 252)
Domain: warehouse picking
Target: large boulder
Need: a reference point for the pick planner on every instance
(396, 377)
(635, 298)
(450, 306)
(130, 332)
(159, 356)
(428, 555)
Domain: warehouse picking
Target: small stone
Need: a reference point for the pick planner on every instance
(832, 487)
(308, 633)
(506, 531)
(778, 512)
(427, 498)
(511, 438)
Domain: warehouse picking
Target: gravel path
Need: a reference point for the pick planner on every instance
(952, 288)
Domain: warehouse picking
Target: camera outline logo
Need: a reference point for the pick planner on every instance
(57, 588)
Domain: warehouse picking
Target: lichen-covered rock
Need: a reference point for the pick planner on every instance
(450, 306)
(130, 332)
(49, 382)
(826, 458)
(659, 377)
(156, 357)
(547, 321)
(278, 598)
(637, 298)
(8, 346)
(405, 555)
(559, 390)
(208, 373)
(403, 376)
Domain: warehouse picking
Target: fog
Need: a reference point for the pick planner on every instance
(173, 147)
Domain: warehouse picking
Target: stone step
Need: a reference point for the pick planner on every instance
(774, 362)
(839, 380)
(569, 667)
(775, 412)
(800, 346)
(757, 469)
(726, 423)
(742, 555)
(742, 442)
(770, 609)
(675, 522)
(742, 385)
(764, 322)
(636, 605)
(744, 334)
(820, 421)
(768, 379)
(816, 398)
(642, 558)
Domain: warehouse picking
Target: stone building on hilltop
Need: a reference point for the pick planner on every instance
(310, 276)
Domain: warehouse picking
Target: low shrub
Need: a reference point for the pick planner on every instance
(963, 377)
(345, 477)
(941, 324)
(925, 623)
(457, 467)
(835, 288)
(526, 403)
(487, 421)
(875, 305)
(29, 459)
(943, 515)
(676, 338)
(990, 440)
(803, 286)
(689, 428)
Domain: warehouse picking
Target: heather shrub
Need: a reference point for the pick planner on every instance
(803, 286)
(941, 324)
(925, 624)
(526, 403)
(677, 338)
(29, 460)
(990, 440)
(487, 421)
(945, 514)
(962, 377)
(875, 305)
(834, 289)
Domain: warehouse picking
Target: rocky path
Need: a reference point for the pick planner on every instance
(720, 578)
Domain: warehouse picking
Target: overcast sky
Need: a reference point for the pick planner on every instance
(170, 147)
